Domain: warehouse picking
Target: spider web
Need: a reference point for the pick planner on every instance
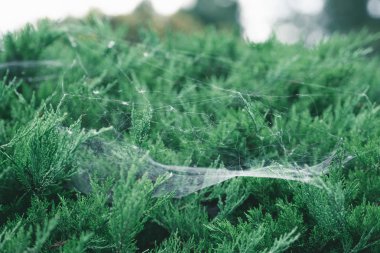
(115, 109)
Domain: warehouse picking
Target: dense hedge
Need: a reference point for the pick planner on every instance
(207, 99)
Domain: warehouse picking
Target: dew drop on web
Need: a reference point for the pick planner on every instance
(111, 44)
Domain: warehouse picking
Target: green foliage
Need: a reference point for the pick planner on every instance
(132, 204)
(209, 100)
(21, 239)
(40, 158)
(76, 245)
(29, 43)
(175, 244)
(247, 238)
(187, 221)
(82, 217)
(141, 124)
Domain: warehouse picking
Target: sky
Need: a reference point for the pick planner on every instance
(257, 16)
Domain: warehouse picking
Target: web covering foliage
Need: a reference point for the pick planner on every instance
(97, 133)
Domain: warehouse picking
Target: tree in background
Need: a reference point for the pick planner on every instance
(220, 13)
(348, 15)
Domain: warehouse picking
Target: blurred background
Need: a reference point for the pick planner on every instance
(291, 21)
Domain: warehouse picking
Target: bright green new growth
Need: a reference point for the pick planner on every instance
(206, 101)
